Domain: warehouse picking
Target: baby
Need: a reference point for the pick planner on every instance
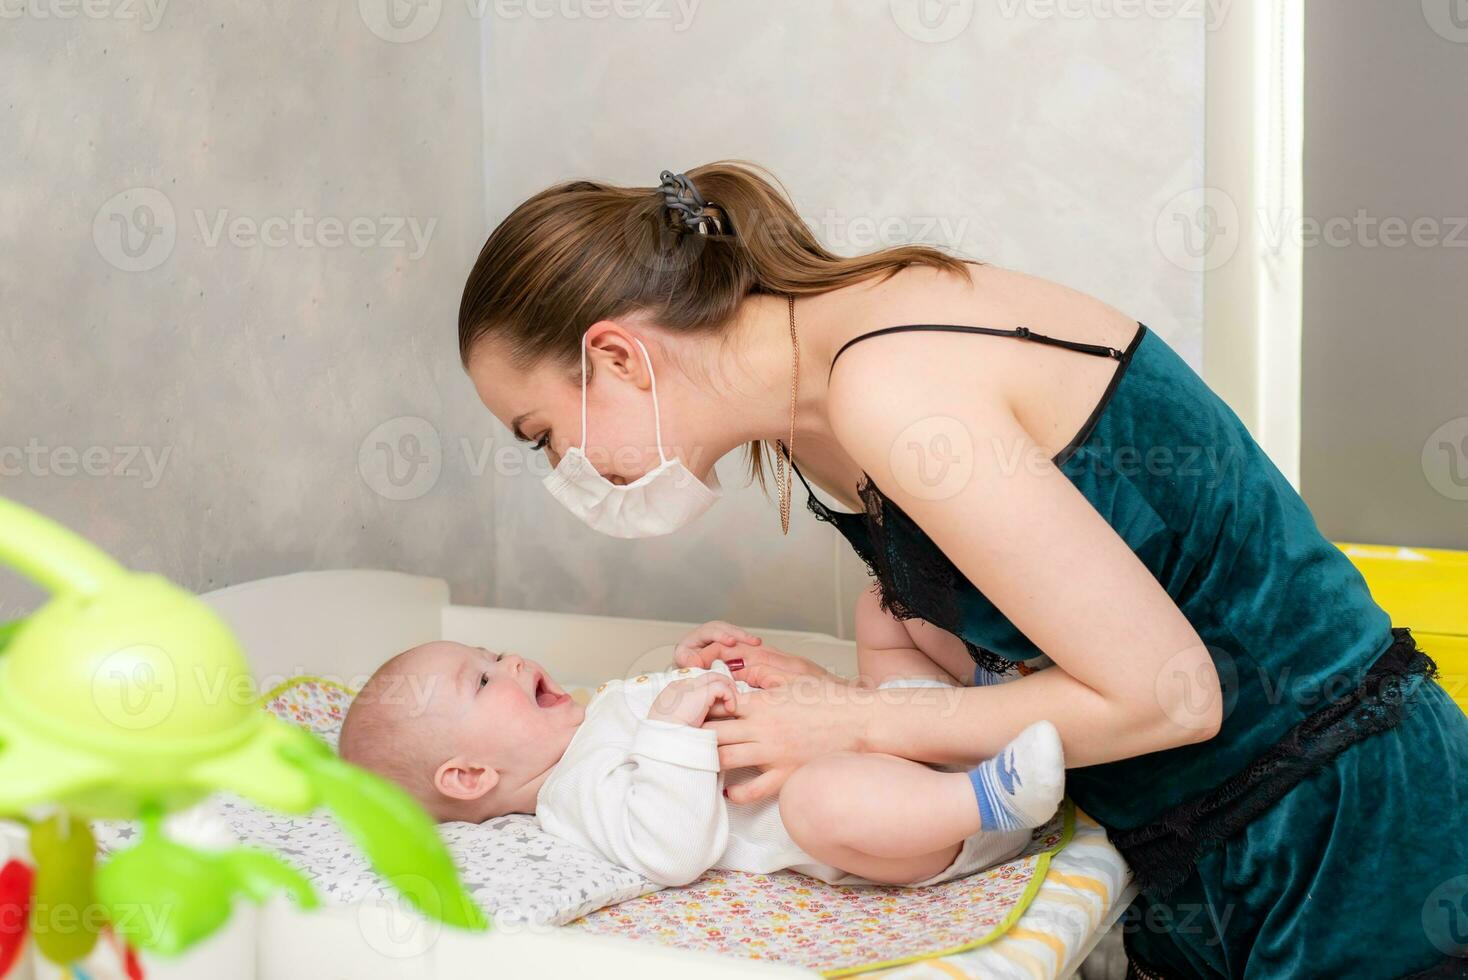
(473, 734)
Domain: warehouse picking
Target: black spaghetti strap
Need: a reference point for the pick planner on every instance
(1124, 358)
(802, 478)
(1095, 350)
(813, 503)
(1023, 333)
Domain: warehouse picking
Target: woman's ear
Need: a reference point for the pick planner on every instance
(610, 347)
(458, 779)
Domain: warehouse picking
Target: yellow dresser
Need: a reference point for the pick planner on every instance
(1426, 590)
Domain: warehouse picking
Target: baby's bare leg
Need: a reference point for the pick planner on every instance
(879, 816)
(887, 647)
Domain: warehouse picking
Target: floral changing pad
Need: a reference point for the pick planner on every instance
(314, 703)
(838, 929)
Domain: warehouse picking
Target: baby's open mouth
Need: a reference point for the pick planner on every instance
(547, 698)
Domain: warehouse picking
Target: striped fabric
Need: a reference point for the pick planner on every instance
(1085, 889)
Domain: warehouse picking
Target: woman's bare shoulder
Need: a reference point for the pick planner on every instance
(907, 379)
(1050, 307)
(991, 296)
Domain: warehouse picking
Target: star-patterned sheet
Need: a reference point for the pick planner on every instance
(515, 870)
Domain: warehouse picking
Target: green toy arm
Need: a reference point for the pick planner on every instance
(260, 875)
(396, 835)
(164, 897)
(7, 630)
(49, 554)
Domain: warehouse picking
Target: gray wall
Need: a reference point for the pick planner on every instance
(1385, 387)
(308, 395)
(258, 358)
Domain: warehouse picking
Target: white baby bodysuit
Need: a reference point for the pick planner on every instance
(647, 794)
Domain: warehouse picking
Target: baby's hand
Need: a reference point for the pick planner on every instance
(688, 653)
(687, 702)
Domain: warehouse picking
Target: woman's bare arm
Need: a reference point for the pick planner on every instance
(1133, 675)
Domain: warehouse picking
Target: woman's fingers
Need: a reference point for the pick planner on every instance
(705, 656)
(768, 667)
(729, 730)
(740, 754)
(733, 634)
(767, 674)
(729, 633)
(764, 785)
(757, 666)
(702, 644)
(777, 731)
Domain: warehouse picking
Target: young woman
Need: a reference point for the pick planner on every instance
(1026, 471)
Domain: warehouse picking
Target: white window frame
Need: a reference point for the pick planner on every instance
(1254, 155)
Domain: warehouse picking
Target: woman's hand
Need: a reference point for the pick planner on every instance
(760, 666)
(782, 728)
(703, 644)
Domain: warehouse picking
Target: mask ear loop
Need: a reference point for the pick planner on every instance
(657, 416)
(583, 394)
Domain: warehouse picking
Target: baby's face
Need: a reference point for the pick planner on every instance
(497, 709)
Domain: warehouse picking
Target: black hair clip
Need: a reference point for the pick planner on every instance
(686, 206)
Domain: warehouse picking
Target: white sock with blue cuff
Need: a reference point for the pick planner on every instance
(1021, 787)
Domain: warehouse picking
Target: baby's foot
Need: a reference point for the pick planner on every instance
(1021, 786)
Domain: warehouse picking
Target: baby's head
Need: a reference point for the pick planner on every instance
(466, 731)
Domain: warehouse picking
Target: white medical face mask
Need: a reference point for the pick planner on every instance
(659, 502)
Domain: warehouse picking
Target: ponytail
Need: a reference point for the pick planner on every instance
(685, 254)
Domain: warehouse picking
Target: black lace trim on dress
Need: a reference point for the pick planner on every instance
(1162, 853)
(1136, 969)
(915, 579)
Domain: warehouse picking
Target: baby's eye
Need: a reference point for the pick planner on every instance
(483, 680)
(540, 443)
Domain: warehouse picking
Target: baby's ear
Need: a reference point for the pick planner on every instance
(458, 779)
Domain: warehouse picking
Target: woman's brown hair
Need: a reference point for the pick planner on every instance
(583, 251)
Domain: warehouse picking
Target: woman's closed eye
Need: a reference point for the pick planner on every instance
(519, 433)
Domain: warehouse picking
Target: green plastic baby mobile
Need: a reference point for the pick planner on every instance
(111, 708)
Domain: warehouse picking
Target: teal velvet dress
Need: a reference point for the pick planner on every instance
(1323, 831)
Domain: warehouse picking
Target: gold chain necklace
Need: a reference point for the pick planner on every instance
(785, 458)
